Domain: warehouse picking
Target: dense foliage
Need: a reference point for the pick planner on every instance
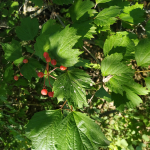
(49, 97)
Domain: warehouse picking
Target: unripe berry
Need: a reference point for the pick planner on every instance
(50, 94)
(45, 54)
(44, 92)
(25, 61)
(16, 78)
(63, 68)
(53, 62)
(40, 74)
(48, 59)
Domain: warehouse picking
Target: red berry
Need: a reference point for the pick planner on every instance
(21, 74)
(54, 62)
(45, 54)
(25, 61)
(63, 68)
(16, 78)
(50, 94)
(48, 59)
(40, 74)
(44, 92)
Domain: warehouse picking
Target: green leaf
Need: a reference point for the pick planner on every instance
(147, 80)
(12, 51)
(84, 29)
(38, 2)
(112, 65)
(103, 94)
(42, 45)
(79, 8)
(42, 127)
(18, 61)
(116, 43)
(28, 29)
(50, 27)
(133, 14)
(8, 74)
(61, 2)
(71, 85)
(107, 16)
(142, 53)
(102, 1)
(61, 47)
(28, 70)
(77, 131)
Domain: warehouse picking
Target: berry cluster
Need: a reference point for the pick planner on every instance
(41, 74)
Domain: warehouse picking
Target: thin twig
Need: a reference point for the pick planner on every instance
(63, 104)
(92, 55)
(143, 71)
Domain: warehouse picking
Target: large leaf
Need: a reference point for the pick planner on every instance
(79, 8)
(78, 131)
(61, 47)
(112, 65)
(48, 131)
(125, 90)
(12, 51)
(107, 16)
(28, 70)
(147, 81)
(142, 53)
(61, 2)
(71, 85)
(42, 127)
(28, 29)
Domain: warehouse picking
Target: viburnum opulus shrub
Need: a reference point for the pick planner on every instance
(49, 53)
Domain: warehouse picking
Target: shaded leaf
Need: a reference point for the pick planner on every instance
(61, 47)
(28, 70)
(28, 29)
(41, 129)
(79, 8)
(12, 51)
(103, 94)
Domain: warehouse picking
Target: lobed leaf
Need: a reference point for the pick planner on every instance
(77, 131)
(28, 29)
(107, 16)
(112, 65)
(71, 86)
(61, 47)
